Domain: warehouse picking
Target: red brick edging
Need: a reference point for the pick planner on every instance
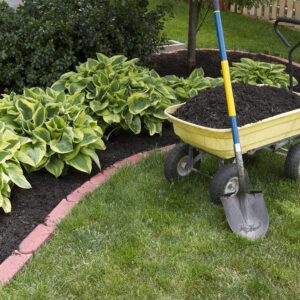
(42, 232)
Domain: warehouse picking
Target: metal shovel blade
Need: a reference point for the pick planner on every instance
(247, 214)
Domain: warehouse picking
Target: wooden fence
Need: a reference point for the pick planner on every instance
(280, 8)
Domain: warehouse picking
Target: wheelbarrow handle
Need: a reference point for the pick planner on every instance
(287, 44)
(285, 20)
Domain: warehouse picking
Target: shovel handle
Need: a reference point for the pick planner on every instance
(229, 97)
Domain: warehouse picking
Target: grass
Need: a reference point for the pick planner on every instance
(138, 237)
(241, 32)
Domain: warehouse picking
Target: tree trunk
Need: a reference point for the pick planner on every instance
(193, 23)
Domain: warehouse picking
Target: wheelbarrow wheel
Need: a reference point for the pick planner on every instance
(176, 163)
(225, 181)
(292, 163)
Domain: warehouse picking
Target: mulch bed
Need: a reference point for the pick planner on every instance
(253, 103)
(166, 64)
(30, 207)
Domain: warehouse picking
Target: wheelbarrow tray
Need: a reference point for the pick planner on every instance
(253, 136)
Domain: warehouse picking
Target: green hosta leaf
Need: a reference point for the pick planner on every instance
(32, 154)
(23, 140)
(56, 123)
(42, 134)
(81, 162)
(154, 126)
(80, 118)
(138, 102)
(72, 154)
(26, 108)
(92, 64)
(135, 125)
(64, 145)
(59, 85)
(68, 75)
(196, 74)
(99, 144)
(117, 60)
(78, 135)
(93, 155)
(52, 109)
(159, 113)
(102, 58)
(89, 136)
(5, 155)
(193, 93)
(55, 166)
(6, 205)
(97, 106)
(39, 116)
(110, 118)
(76, 87)
(15, 173)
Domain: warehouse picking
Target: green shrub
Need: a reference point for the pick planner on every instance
(10, 169)
(58, 127)
(44, 39)
(120, 93)
(186, 88)
(256, 72)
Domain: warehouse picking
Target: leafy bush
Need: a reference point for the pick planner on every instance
(256, 72)
(44, 39)
(58, 127)
(10, 169)
(120, 93)
(186, 88)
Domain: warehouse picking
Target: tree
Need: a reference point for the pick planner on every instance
(198, 10)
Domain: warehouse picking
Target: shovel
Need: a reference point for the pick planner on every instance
(246, 213)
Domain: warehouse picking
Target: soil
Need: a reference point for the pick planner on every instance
(30, 207)
(253, 103)
(209, 60)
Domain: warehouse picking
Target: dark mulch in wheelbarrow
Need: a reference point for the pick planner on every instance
(30, 207)
(253, 103)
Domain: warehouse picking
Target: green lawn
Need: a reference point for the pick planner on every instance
(138, 237)
(241, 32)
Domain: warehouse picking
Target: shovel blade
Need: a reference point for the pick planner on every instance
(247, 214)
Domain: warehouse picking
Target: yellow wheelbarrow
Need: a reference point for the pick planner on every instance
(246, 212)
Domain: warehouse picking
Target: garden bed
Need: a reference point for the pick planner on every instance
(30, 207)
(209, 59)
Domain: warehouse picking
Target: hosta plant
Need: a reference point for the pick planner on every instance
(186, 88)
(59, 129)
(10, 169)
(119, 93)
(256, 72)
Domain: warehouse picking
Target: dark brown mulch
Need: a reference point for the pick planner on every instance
(253, 103)
(166, 64)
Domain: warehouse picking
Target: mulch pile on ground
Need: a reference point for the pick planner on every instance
(253, 103)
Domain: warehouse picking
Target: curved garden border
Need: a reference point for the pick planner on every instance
(43, 232)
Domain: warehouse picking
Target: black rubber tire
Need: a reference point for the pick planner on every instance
(173, 158)
(220, 180)
(249, 157)
(292, 163)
